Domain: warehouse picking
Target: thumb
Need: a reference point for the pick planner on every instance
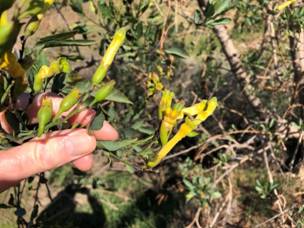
(39, 155)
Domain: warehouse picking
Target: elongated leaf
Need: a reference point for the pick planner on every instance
(142, 127)
(64, 43)
(220, 21)
(97, 122)
(60, 36)
(115, 145)
(119, 97)
(76, 5)
(221, 6)
(177, 52)
(209, 12)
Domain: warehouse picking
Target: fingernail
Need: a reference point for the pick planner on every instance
(79, 145)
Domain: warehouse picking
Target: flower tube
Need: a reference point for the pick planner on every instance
(101, 72)
(186, 128)
(285, 5)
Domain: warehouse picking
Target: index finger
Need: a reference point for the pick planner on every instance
(84, 118)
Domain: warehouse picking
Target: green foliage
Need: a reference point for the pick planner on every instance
(198, 186)
(169, 45)
(265, 188)
(249, 20)
(215, 11)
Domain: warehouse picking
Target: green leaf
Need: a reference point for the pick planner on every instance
(189, 185)
(118, 97)
(59, 36)
(144, 5)
(197, 17)
(130, 169)
(216, 195)
(220, 21)
(142, 127)
(106, 10)
(64, 39)
(115, 145)
(221, 6)
(67, 43)
(97, 122)
(193, 134)
(83, 85)
(76, 5)
(209, 12)
(177, 52)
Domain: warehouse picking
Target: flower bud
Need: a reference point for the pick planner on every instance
(39, 77)
(32, 27)
(69, 101)
(44, 115)
(109, 56)
(104, 91)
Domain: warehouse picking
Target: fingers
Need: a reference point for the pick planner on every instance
(85, 163)
(4, 123)
(85, 117)
(50, 151)
(107, 132)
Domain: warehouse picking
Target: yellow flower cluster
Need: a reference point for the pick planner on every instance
(284, 5)
(59, 66)
(153, 83)
(193, 116)
(10, 64)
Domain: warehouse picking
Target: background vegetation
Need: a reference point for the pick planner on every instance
(244, 167)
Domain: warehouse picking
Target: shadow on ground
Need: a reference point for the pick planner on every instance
(144, 211)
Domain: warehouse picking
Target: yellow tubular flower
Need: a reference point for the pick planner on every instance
(6, 28)
(61, 65)
(194, 109)
(49, 2)
(212, 104)
(169, 122)
(185, 129)
(4, 18)
(285, 5)
(165, 102)
(118, 39)
(9, 31)
(117, 42)
(154, 83)
(9, 63)
(36, 8)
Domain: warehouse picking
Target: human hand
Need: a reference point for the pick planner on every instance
(52, 149)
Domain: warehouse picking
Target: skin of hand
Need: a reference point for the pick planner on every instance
(53, 149)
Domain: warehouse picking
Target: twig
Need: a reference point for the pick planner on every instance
(243, 160)
(272, 218)
(195, 220)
